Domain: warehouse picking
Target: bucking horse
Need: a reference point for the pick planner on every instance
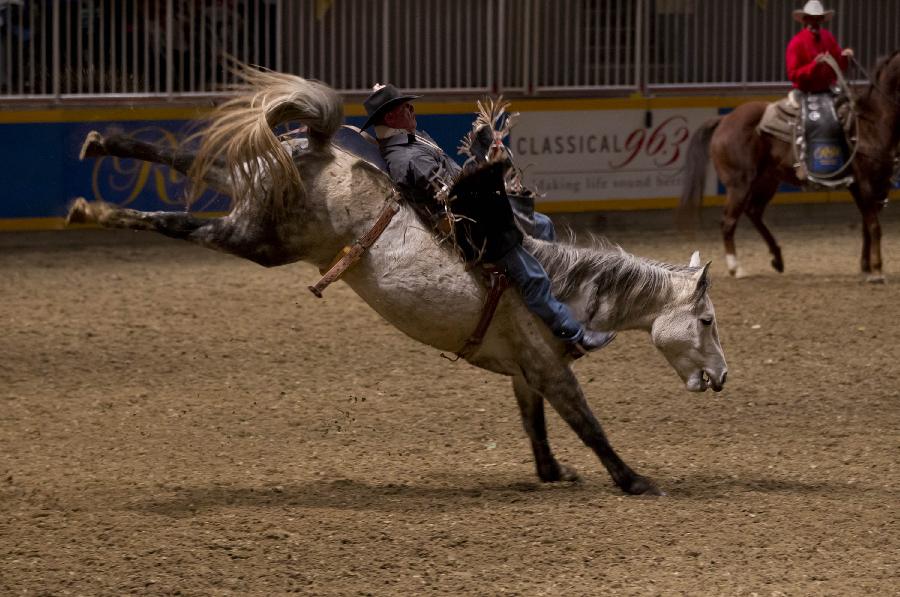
(308, 206)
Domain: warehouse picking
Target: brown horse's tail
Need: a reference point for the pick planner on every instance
(695, 174)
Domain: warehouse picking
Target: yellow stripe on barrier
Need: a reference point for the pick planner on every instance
(633, 102)
(587, 205)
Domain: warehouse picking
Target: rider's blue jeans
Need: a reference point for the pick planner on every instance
(528, 275)
(543, 228)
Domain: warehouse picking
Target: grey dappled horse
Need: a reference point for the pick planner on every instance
(309, 208)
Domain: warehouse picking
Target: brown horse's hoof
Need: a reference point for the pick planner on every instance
(562, 473)
(778, 265)
(876, 279)
(92, 147)
(643, 486)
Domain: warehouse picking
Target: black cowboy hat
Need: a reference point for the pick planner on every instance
(382, 100)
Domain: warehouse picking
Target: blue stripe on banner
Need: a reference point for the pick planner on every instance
(41, 173)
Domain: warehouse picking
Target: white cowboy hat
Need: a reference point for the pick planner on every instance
(813, 8)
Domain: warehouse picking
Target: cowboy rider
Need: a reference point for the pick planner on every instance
(415, 162)
(806, 49)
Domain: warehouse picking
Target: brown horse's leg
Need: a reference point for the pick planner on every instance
(735, 202)
(870, 262)
(865, 261)
(873, 226)
(762, 194)
(561, 389)
(531, 406)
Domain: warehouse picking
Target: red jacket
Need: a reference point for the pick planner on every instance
(802, 68)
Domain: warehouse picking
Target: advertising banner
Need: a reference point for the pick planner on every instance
(601, 155)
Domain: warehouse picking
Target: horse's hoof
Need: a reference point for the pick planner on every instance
(876, 279)
(778, 265)
(643, 486)
(92, 147)
(562, 473)
(78, 212)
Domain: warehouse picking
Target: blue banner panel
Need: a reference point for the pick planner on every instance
(41, 173)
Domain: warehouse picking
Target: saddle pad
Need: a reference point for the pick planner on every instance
(779, 118)
(351, 140)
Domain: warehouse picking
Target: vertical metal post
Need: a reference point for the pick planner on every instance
(596, 80)
(135, 66)
(113, 53)
(31, 54)
(532, 72)
(279, 37)
(489, 78)
(57, 51)
(101, 49)
(385, 42)
(21, 51)
(458, 46)
(745, 43)
(639, 71)
(332, 80)
(170, 39)
(501, 46)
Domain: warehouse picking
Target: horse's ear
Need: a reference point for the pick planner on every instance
(702, 283)
(695, 260)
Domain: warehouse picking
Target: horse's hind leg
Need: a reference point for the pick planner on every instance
(123, 146)
(870, 262)
(734, 206)
(561, 389)
(531, 406)
(755, 208)
(221, 234)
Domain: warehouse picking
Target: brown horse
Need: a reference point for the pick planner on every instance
(751, 165)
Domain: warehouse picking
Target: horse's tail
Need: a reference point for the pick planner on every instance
(695, 173)
(240, 133)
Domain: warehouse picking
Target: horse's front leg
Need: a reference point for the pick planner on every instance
(561, 389)
(221, 234)
(762, 194)
(531, 406)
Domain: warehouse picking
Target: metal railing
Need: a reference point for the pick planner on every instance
(93, 49)
(711, 43)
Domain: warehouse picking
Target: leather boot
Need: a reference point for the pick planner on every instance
(591, 341)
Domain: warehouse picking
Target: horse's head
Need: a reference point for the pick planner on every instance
(687, 335)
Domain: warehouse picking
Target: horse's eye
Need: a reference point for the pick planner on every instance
(706, 320)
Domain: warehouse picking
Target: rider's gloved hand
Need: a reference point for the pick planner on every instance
(481, 143)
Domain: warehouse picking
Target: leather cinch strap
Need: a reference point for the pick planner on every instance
(498, 283)
(350, 255)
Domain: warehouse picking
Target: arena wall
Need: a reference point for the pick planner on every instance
(584, 155)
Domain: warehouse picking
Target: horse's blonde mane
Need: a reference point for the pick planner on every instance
(240, 133)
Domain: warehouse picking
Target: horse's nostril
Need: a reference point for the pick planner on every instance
(724, 375)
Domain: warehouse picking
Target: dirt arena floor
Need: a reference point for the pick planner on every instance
(178, 422)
